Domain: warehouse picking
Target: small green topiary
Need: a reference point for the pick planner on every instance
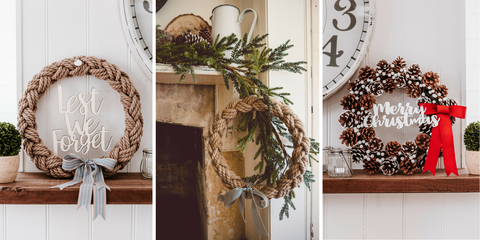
(471, 137)
(10, 140)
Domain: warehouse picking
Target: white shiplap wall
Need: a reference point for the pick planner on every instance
(431, 33)
(51, 30)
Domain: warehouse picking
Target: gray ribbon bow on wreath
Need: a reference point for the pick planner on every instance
(230, 197)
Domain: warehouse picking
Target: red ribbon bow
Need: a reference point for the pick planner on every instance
(442, 136)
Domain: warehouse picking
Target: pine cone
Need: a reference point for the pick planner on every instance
(349, 102)
(389, 167)
(422, 140)
(393, 148)
(349, 137)
(398, 64)
(361, 116)
(366, 102)
(400, 78)
(413, 90)
(367, 133)
(375, 145)
(358, 154)
(415, 71)
(347, 119)
(371, 166)
(206, 33)
(430, 79)
(389, 85)
(384, 67)
(409, 148)
(407, 166)
(376, 88)
(421, 157)
(426, 128)
(441, 91)
(366, 73)
(354, 85)
(189, 38)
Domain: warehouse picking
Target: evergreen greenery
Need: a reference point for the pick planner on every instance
(10, 140)
(262, 128)
(471, 136)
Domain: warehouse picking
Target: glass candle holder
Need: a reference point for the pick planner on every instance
(326, 153)
(339, 164)
(146, 165)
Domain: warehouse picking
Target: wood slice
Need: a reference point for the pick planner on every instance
(167, 38)
(185, 23)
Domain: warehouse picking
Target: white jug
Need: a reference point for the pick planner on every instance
(226, 20)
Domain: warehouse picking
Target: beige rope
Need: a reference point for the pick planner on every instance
(301, 144)
(123, 151)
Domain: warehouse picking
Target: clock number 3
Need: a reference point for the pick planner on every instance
(353, 20)
(333, 51)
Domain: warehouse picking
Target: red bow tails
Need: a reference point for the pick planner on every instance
(442, 136)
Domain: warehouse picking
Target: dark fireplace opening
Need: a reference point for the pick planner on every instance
(180, 182)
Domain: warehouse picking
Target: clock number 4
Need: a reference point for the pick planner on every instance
(333, 51)
(353, 20)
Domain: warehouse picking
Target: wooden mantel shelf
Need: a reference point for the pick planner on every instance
(203, 74)
(419, 182)
(34, 188)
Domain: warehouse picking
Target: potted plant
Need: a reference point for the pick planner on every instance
(10, 141)
(472, 144)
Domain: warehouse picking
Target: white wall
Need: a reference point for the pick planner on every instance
(52, 30)
(432, 34)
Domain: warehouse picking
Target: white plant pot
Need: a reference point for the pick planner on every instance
(472, 158)
(9, 168)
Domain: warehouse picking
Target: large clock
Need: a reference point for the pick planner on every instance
(136, 18)
(347, 30)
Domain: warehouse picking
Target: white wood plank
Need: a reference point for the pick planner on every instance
(107, 41)
(143, 222)
(384, 216)
(462, 213)
(34, 50)
(423, 215)
(117, 226)
(2, 222)
(66, 222)
(66, 39)
(18, 217)
(344, 216)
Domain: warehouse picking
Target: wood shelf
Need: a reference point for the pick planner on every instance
(203, 74)
(34, 188)
(419, 182)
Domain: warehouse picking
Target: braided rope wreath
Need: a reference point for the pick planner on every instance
(301, 145)
(123, 151)
(372, 83)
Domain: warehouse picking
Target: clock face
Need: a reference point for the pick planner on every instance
(137, 27)
(347, 27)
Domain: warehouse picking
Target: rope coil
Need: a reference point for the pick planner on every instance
(301, 145)
(46, 160)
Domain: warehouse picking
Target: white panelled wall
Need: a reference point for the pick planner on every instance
(49, 31)
(432, 34)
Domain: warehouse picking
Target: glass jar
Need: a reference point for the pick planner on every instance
(146, 165)
(326, 153)
(339, 164)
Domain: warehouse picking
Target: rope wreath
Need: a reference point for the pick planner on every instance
(123, 151)
(301, 144)
(371, 83)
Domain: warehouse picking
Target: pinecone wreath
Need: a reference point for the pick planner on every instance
(357, 118)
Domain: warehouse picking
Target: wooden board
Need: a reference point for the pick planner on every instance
(419, 182)
(34, 188)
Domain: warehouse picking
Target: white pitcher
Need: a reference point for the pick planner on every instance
(226, 20)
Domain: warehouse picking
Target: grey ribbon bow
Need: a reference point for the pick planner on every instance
(230, 197)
